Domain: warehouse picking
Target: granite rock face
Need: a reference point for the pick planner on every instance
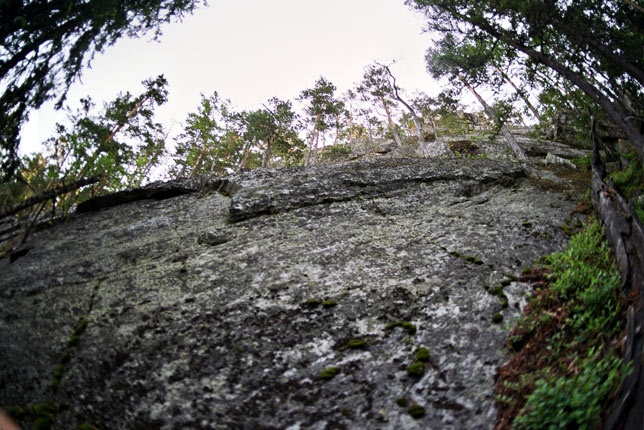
(280, 299)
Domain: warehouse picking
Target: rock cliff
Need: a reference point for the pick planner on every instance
(371, 295)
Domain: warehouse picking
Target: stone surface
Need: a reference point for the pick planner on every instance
(221, 305)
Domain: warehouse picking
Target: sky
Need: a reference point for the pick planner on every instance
(251, 50)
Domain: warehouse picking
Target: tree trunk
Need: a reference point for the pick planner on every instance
(50, 194)
(626, 237)
(197, 162)
(612, 109)
(351, 131)
(512, 142)
(267, 154)
(390, 121)
(434, 126)
(419, 133)
(309, 160)
(313, 160)
(521, 93)
(336, 139)
(636, 6)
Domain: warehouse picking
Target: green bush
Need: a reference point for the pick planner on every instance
(580, 368)
(585, 275)
(336, 152)
(586, 263)
(565, 403)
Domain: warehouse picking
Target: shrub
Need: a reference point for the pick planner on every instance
(577, 402)
(566, 365)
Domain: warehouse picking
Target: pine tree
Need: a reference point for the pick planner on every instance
(45, 45)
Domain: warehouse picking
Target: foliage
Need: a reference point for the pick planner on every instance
(378, 88)
(322, 107)
(334, 153)
(565, 113)
(354, 130)
(275, 130)
(566, 367)
(323, 110)
(584, 276)
(377, 85)
(211, 142)
(630, 183)
(471, 63)
(576, 402)
(46, 44)
(218, 140)
(445, 113)
(594, 46)
(121, 145)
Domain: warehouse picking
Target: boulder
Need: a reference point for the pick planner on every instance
(372, 295)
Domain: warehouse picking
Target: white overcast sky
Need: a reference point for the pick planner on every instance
(252, 50)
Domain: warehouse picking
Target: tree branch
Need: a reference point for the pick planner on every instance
(50, 194)
(409, 108)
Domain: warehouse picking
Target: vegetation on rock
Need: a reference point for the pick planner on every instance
(558, 48)
(118, 148)
(629, 182)
(406, 325)
(329, 373)
(565, 364)
(416, 411)
(422, 355)
(416, 369)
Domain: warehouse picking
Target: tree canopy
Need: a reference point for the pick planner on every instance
(111, 148)
(595, 46)
(324, 110)
(218, 139)
(44, 45)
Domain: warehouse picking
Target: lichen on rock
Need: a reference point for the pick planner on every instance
(198, 305)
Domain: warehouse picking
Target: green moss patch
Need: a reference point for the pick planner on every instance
(328, 373)
(422, 355)
(470, 259)
(406, 325)
(630, 183)
(357, 344)
(402, 402)
(314, 303)
(416, 369)
(416, 411)
(43, 415)
(80, 328)
(500, 294)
